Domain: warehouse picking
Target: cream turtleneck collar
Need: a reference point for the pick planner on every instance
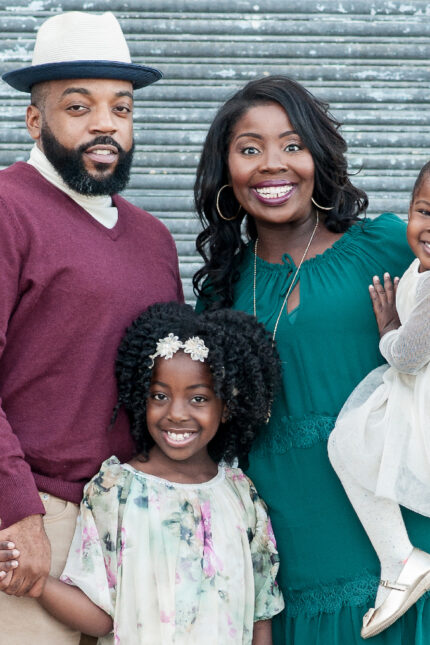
(99, 207)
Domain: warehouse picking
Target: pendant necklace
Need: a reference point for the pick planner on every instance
(275, 329)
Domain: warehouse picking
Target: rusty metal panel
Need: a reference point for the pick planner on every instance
(368, 58)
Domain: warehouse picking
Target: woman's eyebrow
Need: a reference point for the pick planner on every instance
(254, 135)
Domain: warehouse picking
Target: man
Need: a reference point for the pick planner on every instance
(77, 264)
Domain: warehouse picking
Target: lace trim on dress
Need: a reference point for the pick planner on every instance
(353, 592)
(293, 432)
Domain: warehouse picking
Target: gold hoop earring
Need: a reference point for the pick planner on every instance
(321, 208)
(227, 219)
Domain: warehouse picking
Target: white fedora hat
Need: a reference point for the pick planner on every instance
(80, 45)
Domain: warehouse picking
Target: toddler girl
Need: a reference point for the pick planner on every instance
(380, 447)
(176, 545)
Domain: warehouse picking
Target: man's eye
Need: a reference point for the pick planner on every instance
(76, 108)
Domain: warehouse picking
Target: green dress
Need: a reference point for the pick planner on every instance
(329, 572)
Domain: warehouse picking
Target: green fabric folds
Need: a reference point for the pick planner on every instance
(329, 571)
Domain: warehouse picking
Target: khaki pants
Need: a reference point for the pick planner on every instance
(23, 620)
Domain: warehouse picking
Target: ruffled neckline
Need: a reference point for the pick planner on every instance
(343, 242)
(219, 477)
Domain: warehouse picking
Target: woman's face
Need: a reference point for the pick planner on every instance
(271, 171)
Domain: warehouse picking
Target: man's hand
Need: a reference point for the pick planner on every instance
(32, 542)
(384, 303)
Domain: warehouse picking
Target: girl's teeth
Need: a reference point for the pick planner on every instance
(178, 436)
(274, 191)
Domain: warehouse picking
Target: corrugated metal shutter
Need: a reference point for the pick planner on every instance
(369, 59)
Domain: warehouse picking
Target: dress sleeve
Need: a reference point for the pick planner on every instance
(265, 561)
(95, 554)
(407, 349)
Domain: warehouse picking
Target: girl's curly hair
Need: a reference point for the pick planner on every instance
(244, 364)
(220, 243)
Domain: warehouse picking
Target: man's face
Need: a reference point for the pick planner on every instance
(85, 129)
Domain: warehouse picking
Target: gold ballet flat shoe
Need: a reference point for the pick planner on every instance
(412, 583)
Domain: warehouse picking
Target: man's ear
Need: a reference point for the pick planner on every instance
(33, 120)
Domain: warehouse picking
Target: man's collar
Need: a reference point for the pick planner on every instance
(99, 206)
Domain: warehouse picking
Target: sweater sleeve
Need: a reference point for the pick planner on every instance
(19, 496)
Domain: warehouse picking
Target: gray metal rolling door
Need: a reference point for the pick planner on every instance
(368, 59)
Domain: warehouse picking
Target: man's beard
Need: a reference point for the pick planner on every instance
(70, 165)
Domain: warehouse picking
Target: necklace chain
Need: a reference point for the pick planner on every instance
(293, 280)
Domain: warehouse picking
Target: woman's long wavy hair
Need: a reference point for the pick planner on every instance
(242, 359)
(220, 243)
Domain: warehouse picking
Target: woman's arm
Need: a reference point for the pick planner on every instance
(73, 608)
(262, 633)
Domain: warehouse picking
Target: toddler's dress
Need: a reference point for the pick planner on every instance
(382, 433)
(175, 563)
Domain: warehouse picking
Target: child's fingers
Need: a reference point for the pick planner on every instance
(377, 292)
(8, 558)
(6, 563)
(376, 303)
(396, 284)
(373, 294)
(5, 579)
(388, 288)
(10, 554)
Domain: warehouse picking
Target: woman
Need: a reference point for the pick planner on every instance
(274, 156)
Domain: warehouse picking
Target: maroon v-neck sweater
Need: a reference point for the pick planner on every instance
(68, 289)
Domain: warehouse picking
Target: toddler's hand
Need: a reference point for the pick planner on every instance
(384, 303)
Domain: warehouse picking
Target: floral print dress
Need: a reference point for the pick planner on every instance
(175, 563)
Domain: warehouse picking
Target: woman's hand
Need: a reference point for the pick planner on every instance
(384, 303)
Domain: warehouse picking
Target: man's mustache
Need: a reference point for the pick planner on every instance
(102, 140)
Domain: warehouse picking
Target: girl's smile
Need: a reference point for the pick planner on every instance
(183, 413)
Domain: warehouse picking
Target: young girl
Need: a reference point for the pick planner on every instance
(176, 545)
(380, 447)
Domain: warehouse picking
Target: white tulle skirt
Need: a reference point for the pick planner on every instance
(382, 435)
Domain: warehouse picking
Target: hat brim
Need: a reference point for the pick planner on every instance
(138, 75)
